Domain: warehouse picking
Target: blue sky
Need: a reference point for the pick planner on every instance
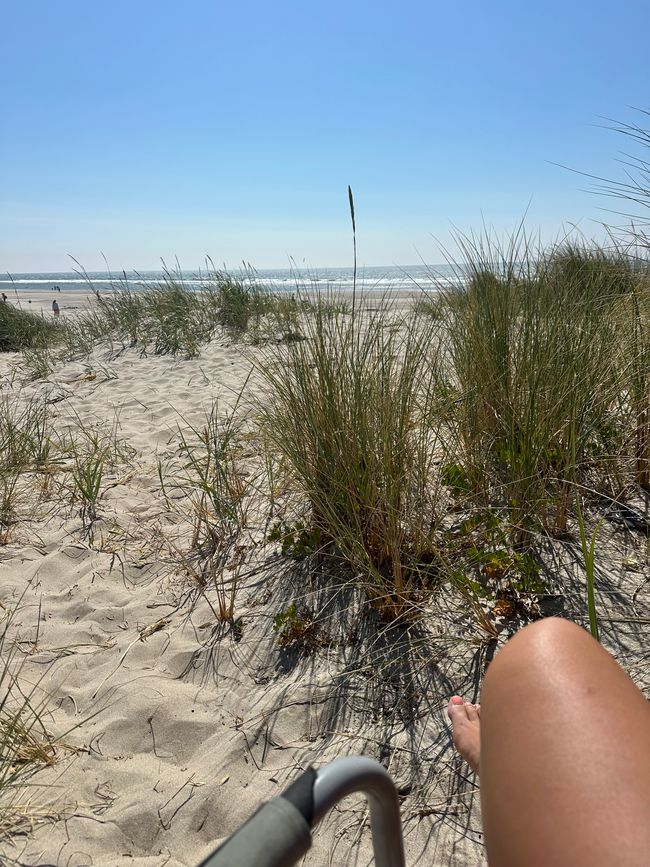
(146, 129)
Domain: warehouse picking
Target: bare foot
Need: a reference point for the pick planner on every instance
(466, 723)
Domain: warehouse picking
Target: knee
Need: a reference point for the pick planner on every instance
(539, 648)
(550, 632)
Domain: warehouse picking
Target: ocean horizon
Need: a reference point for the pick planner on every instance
(373, 278)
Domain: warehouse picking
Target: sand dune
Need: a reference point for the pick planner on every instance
(178, 726)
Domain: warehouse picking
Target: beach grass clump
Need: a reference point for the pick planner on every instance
(174, 317)
(38, 361)
(535, 374)
(173, 323)
(349, 412)
(164, 319)
(26, 444)
(87, 474)
(278, 315)
(430, 304)
(120, 314)
(91, 450)
(170, 317)
(591, 273)
(25, 432)
(209, 474)
(20, 329)
(236, 301)
(25, 744)
(633, 321)
(79, 337)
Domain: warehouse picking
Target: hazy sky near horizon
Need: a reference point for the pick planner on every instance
(145, 129)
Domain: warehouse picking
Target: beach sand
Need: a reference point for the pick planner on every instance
(40, 303)
(175, 727)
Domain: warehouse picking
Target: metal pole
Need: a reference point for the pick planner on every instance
(360, 774)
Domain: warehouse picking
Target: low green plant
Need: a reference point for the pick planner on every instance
(296, 628)
(482, 543)
(455, 478)
(297, 540)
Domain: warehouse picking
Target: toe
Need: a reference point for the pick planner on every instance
(458, 710)
(455, 706)
(472, 712)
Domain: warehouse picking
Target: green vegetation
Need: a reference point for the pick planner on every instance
(25, 445)
(22, 330)
(172, 318)
(501, 394)
(33, 450)
(297, 540)
(87, 473)
(298, 629)
(25, 744)
(169, 318)
(411, 459)
(350, 410)
(207, 475)
(422, 448)
(498, 397)
(589, 557)
(536, 372)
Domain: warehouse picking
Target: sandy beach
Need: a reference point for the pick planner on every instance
(324, 433)
(174, 726)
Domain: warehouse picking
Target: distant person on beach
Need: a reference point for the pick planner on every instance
(55, 308)
(561, 741)
(4, 298)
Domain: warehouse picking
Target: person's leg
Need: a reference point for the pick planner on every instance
(564, 753)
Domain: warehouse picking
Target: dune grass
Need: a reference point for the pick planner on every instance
(634, 323)
(25, 744)
(172, 318)
(35, 448)
(349, 412)
(25, 445)
(535, 364)
(527, 379)
(20, 329)
(207, 475)
(167, 318)
(507, 392)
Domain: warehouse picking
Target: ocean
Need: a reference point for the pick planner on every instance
(376, 278)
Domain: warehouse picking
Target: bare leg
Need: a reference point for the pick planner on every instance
(564, 753)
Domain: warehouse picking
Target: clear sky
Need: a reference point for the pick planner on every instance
(146, 129)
